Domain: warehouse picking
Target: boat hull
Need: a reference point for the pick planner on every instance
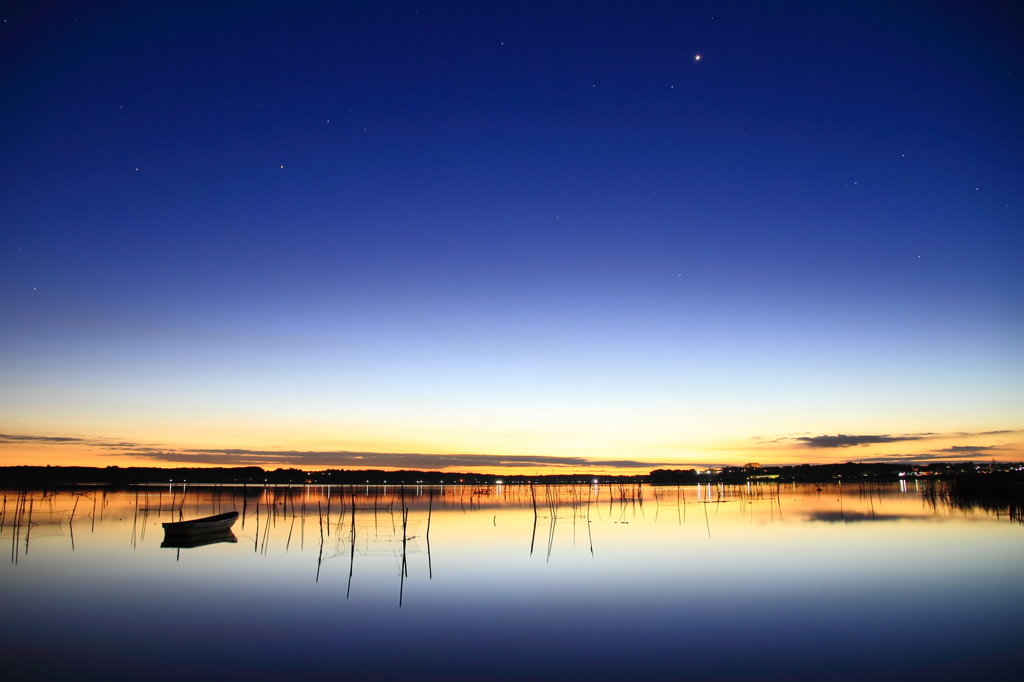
(204, 526)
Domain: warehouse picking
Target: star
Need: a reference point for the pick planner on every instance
(697, 58)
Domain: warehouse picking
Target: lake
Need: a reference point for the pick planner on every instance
(587, 582)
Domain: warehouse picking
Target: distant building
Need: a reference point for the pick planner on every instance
(752, 465)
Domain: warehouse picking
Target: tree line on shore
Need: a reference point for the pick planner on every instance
(803, 473)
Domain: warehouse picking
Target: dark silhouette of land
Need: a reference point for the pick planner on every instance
(804, 473)
(824, 473)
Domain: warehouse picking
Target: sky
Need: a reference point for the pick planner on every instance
(511, 236)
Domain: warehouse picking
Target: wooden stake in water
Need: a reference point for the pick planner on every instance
(430, 510)
(352, 543)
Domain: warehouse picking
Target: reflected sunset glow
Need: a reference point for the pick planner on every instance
(672, 574)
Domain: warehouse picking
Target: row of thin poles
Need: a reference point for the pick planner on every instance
(267, 504)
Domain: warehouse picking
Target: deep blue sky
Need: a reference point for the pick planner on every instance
(363, 219)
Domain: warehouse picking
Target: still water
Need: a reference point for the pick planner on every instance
(604, 582)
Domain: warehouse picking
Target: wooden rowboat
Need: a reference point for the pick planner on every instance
(189, 541)
(204, 526)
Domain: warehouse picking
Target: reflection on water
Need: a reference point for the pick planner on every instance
(726, 582)
(201, 540)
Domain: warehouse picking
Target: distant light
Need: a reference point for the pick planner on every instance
(697, 58)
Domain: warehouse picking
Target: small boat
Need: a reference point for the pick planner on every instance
(189, 541)
(207, 525)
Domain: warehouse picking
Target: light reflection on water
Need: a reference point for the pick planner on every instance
(465, 582)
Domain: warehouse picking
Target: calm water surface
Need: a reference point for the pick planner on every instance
(587, 582)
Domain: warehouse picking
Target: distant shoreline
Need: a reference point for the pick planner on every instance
(805, 473)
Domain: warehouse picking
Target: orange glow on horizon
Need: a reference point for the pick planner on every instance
(35, 450)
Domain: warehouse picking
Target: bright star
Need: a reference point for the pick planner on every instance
(697, 58)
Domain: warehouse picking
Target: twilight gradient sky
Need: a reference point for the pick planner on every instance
(301, 234)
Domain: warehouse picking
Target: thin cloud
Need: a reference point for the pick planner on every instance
(53, 440)
(7, 438)
(370, 460)
(968, 448)
(331, 458)
(922, 458)
(845, 441)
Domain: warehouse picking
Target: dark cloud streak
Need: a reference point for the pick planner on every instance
(921, 458)
(343, 458)
(330, 458)
(53, 440)
(844, 441)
